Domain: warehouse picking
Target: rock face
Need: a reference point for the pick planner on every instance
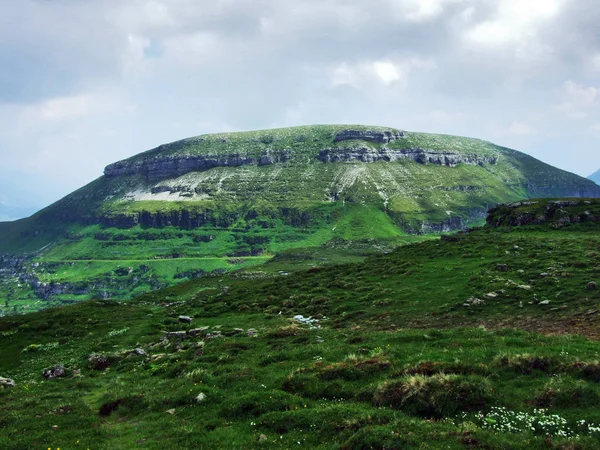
(370, 155)
(169, 166)
(381, 137)
(555, 213)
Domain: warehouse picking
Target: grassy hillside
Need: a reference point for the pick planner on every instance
(486, 339)
(197, 222)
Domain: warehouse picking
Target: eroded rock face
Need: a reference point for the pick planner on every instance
(370, 155)
(169, 166)
(381, 137)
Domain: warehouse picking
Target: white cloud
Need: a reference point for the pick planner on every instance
(578, 100)
(73, 107)
(521, 129)
(515, 21)
(420, 10)
(386, 72)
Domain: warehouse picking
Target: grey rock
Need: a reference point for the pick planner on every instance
(214, 335)
(197, 331)
(138, 352)
(370, 155)
(251, 332)
(381, 137)
(54, 372)
(502, 267)
(545, 302)
(185, 319)
(98, 361)
(180, 335)
(592, 286)
(7, 382)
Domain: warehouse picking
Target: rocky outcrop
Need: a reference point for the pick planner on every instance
(369, 155)
(381, 136)
(556, 213)
(170, 166)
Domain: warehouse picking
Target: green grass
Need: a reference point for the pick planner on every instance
(395, 360)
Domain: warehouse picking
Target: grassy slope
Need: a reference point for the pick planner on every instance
(395, 348)
(266, 210)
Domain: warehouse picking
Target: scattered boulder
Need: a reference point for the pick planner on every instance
(502, 267)
(214, 335)
(197, 331)
(54, 372)
(491, 295)
(175, 335)
(235, 332)
(251, 332)
(185, 319)
(592, 286)
(170, 411)
(98, 361)
(7, 382)
(545, 274)
(137, 352)
(473, 301)
(201, 397)
(545, 302)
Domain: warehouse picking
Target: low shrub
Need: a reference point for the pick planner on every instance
(436, 396)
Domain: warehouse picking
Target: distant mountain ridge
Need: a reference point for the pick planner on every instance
(595, 177)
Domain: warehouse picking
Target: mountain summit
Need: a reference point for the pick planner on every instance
(595, 177)
(222, 201)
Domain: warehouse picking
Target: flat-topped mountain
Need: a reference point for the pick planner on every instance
(223, 201)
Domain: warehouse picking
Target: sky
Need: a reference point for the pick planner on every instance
(86, 83)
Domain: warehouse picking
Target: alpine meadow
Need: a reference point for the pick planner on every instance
(326, 287)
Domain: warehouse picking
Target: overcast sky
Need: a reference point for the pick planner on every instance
(85, 83)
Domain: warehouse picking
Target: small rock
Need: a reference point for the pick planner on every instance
(157, 357)
(524, 286)
(545, 302)
(7, 382)
(263, 438)
(545, 274)
(591, 286)
(490, 295)
(98, 361)
(170, 411)
(54, 372)
(213, 335)
(516, 248)
(251, 332)
(175, 335)
(185, 319)
(138, 352)
(502, 267)
(54, 427)
(201, 397)
(197, 331)
(235, 331)
(520, 271)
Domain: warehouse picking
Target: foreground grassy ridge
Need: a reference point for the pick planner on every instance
(394, 360)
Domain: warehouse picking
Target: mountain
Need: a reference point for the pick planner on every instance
(595, 177)
(225, 201)
(483, 339)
